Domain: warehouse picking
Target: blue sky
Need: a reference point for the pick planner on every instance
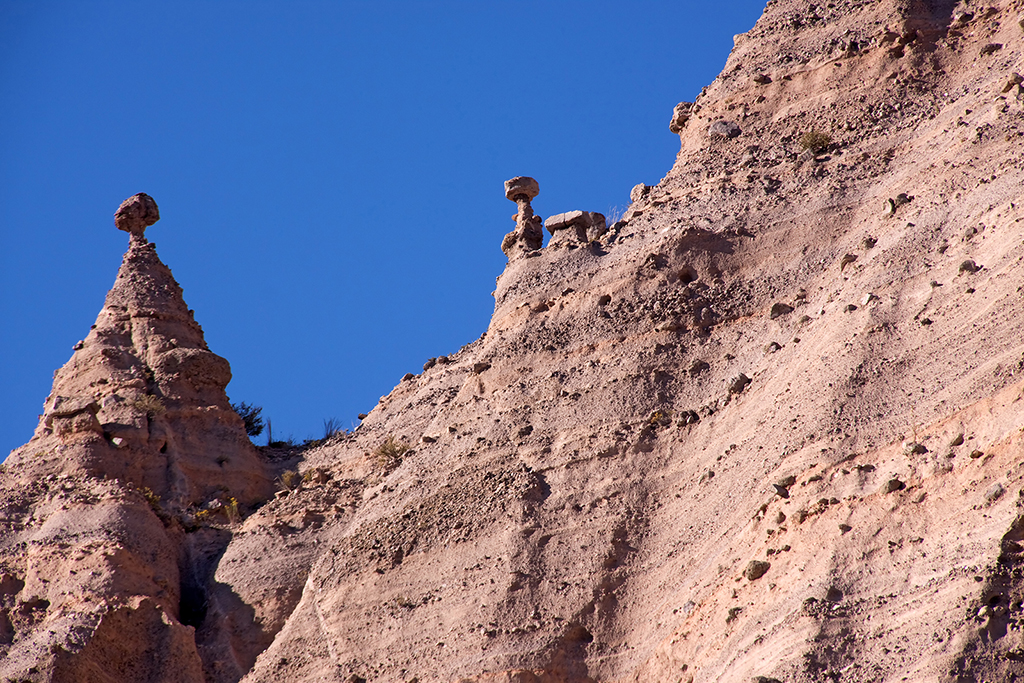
(329, 174)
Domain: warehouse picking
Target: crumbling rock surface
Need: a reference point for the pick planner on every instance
(136, 437)
(142, 400)
(767, 427)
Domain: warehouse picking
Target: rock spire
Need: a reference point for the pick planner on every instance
(143, 399)
(528, 234)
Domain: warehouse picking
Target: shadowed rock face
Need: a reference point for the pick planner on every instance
(767, 427)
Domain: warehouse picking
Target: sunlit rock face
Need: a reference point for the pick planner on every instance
(142, 398)
(765, 426)
(137, 435)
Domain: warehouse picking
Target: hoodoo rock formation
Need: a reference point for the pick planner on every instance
(767, 427)
(528, 236)
(142, 399)
(137, 438)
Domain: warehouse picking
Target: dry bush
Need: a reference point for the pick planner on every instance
(290, 480)
(231, 511)
(815, 141)
(152, 498)
(332, 428)
(149, 404)
(388, 455)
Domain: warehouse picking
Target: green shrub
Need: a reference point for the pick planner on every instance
(250, 415)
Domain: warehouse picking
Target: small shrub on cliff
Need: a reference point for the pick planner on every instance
(388, 455)
(232, 512)
(290, 480)
(151, 498)
(250, 415)
(332, 427)
(150, 404)
(815, 141)
(202, 517)
(615, 215)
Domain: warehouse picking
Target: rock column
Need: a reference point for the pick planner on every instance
(529, 233)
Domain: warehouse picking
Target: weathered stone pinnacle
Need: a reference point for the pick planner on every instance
(528, 234)
(142, 399)
(137, 213)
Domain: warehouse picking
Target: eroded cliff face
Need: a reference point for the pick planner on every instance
(768, 426)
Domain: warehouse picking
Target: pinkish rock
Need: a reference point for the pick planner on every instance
(680, 115)
(136, 213)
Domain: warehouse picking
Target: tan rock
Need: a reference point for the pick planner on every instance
(585, 508)
(521, 186)
(144, 375)
(528, 235)
(638, 192)
(561, 221)
(680, 115)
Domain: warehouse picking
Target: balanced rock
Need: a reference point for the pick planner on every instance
(528, 235)
(145, 376)
(582, 225)
(521, 186)
(136, 213)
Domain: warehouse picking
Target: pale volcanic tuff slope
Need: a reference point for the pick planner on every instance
(585, 495)
(767, 427)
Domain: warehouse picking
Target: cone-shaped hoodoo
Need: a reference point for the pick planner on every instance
(143, 399)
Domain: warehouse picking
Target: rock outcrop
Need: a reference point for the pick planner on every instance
(765, 427)
(136, 438)
(142, 398)
(576, 226)
(528, 236)
(603, 501)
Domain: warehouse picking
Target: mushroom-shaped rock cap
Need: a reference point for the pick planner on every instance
(136, 213)
(521, 185)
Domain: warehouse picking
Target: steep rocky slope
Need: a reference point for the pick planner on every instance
(766, 427)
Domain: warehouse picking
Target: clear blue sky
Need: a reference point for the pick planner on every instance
(329, 173)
